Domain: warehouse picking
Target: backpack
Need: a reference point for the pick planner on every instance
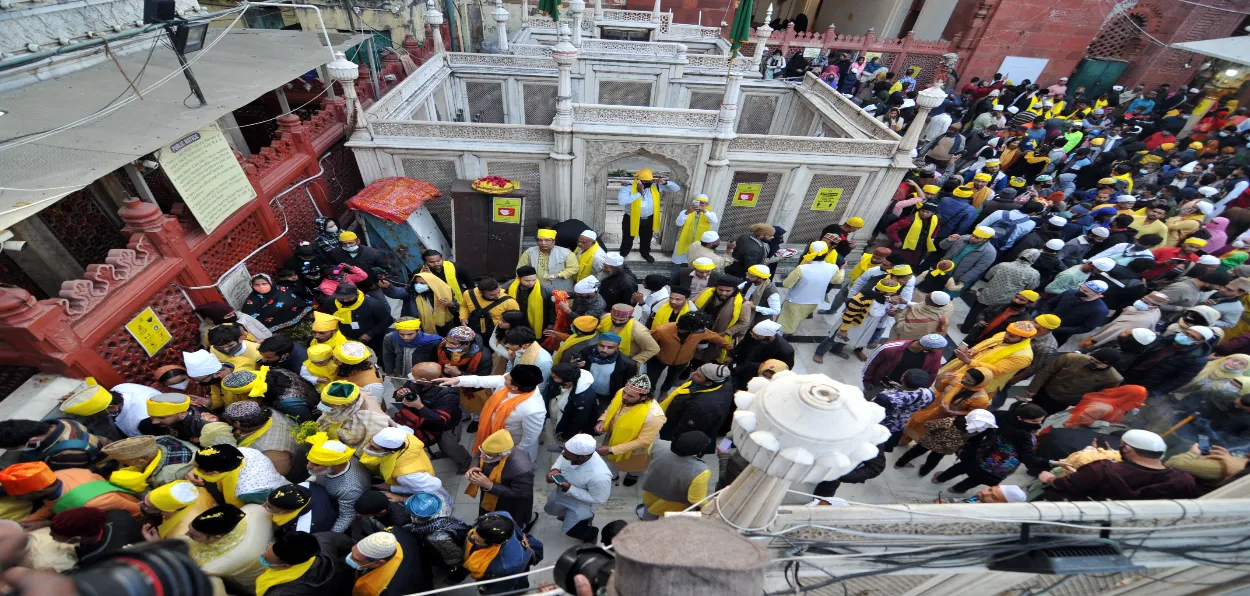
(479, 319)
(1005, 227)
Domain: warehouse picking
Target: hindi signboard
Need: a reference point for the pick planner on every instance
(209, 179)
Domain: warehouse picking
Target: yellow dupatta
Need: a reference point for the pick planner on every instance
(696, 224)
(489, 500)
(626, 332)
(831, 256)
(376, 580)
(476, 560)
(1002, 350)
(335, 340)
(707, 295)
(913, 234)
(171, 523)
(227, 483)
(434, 316)
(585, 261)
(409, 460)
(255, 436)
(530, 355)
(665, 311)
(684, 389)
(628, 426)
(533, 305)
(277, 577)
(572, 341)
(136, 480)
(283, 519)
(344, 313)
(635, 209)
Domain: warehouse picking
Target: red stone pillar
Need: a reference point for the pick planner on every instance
(166, 235)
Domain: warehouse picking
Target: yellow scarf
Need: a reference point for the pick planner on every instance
(433, 316)
(489, 500)
(275, 577)
(696, 224)
(530, 355)
(684, 389)
(329, 370)
(635, 209)
(626, 332)
(409, 460)
(283, 519)
(628, 427)
(376, 580)
(227, 483)
(707, 295)
(453, 284)
(533, 305)
(913, 234)
(255, 436)
(665, 311)
(585, 259)
(476, 560)
(344, 313)
(572, 340)
(135, 480)
(1002, 350)
(1128, 180)
(172, 522)
(335, 341)
(865, 263)
(831, 256)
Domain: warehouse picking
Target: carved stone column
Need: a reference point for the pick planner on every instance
(925, 101)
(564, 55)
(434, 19)
(501, 25)
(761, 39)
(577, 8)
(795, 428)
(655, 12)
(346, 72)
(598, 10)
(716, 181)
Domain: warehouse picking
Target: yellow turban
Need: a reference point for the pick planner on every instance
(1048, 321)
(856, 222)
(320, 353)
(585, 323)
(931, 189)
(174, 496)
(1167, 146)
(1199, 242)
(1172, 113)
(818, 248)
(1016, 181)
(760, 271)
(888, 286)
(160, 405)
(1022, 328)
(993, 163)
(1195, 145)
(325, 452)
(324, 322)
(645, 174)
(347, 236)
(351, 352)
(983, 177)
(703, 265)
(1030, 294)
(88, 401)
(411, 325)
(1098, 142)
(499, 442)
(340, 393)
(903, 269)
(962, 192)
(1109, 181)
(546, 234)
(983, 232)
(257, 386)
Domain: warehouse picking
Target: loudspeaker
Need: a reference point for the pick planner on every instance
(158, 11)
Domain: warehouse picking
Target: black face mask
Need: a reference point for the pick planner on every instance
(1030, 426)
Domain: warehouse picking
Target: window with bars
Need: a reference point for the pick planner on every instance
(441, 173)
(485, 102)
(702, 100)
(757, 114)
(540, 103)
(809, 223)
(625, 93)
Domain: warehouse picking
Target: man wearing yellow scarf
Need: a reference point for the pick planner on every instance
(1004, 355)
(693, 223)
(221, 469)
(631, 423)
(554, 264)
(300, 507)
(377, 559)
(399, 459)
(148, 462)
(730, 314)
(914, 235)
(809, 284)
(585, 328)
(300, 564)
(536, 300)
(669, 311)
(227, 542)
(636, 340)
(503, 477)
(642, 202)
(429, 298)
(178, 503)
(456, 279)
(588, 255)
(325, 331)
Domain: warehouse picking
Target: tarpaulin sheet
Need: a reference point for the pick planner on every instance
(394, 199)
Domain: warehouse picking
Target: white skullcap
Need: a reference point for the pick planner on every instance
(200, 363)
(1208, 260)
(1049, 104)
(1063, 79)
(1205, 207)
(998, 108)
(1101, 232)
(1205, 332)
(1097, 285)
(819, 246)
(1117, 87)
(614, 259)
(709, 236)
(767, 328)
(979, 420)
(986, 231)
(1103, 264)
(1013, 110)
(934, 341)
(704, 262)
(940, 298)
(378, 545)
(1054, 244)
(701, 196)
(586, 285)
(392, 438)
(184, 492)
(1144, 439)
(1144, 337)
(1207, 191)
(1057, 221)
(1014, 494)
(1126, 199)
(1193, 90)
(1189, 167)
(582, 444)
(590, 234)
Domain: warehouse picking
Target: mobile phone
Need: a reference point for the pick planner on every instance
(724, 445)
(559, 479)
(1204, 444)
(972, 499)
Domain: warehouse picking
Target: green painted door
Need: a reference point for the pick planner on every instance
(1096, 75)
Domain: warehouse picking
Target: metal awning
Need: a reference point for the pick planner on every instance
(243, 66)
(1233, 49)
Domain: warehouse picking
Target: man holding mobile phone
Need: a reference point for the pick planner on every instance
(582, 482)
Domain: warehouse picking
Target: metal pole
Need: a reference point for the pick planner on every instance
(186, 70)
(373, 69)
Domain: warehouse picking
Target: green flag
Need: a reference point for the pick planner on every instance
(740, 32)
(550, 8)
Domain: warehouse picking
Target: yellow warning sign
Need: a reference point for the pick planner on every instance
(149, 331)
(827, 199)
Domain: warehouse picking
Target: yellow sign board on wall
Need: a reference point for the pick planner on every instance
(507, 210)
(827, 199)
(747, 194)
(149, 331)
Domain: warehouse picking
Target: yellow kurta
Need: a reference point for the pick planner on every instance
(639, 449)
(1180, 228)
(245, 360)
(1003, 368)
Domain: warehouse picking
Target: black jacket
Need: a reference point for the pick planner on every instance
(329, 574)
(304, 267)
(625, 369)
(367, 259)
(619, 287)
(747, 252)
(372, 318)
(549, 307)
(750, 353)
(581, 411)
(1034, 239)
(441, 411)
(704, 411)
(1162, 373)
(414, 573)
(515, 488)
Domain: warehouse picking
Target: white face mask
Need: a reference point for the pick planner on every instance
(1141, 305)
(325, 408)
(352, 562)
(420, 288)
(182, 385)
(369, 451)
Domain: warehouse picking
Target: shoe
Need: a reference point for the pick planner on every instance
(819, 503)
(648, 258)
(472, 427)
(826, 311)
(528, 526)
(843, 355)
(639, 511)
(906, 465)
(860, 354)
(935, 480)
(630, 479)
(874, 345)
(818, 359)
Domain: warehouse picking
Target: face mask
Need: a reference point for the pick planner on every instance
(325, 408)
(351, 562)
(374, 453)
(1227, 368)
(352, 249)
(455, 350)
(1144, 171)
(179, 386)
(1184, 340)
(1140, 305)
(263, 562)
(420, 288)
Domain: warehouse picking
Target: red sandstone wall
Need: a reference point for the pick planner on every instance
(1027, 28)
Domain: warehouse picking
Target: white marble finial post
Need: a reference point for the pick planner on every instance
(501, 25)
(926, 100)
(655, 12)
(434, 19)
(795, 428)
(761, 39)
(577, 8)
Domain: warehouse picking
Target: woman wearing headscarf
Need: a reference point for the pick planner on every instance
(274, 305)
(944, 436)
(830, 76)
(957, 394)
(893, 119)
(1108, 405)
(213, 314)
(327, 234)
(1228, 374)
(1217, 230)
(992, 456)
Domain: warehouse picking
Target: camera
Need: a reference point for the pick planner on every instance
(160, 567)
(593, 562)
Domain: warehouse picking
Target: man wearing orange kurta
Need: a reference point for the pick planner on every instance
(631, 423)
(63, 489)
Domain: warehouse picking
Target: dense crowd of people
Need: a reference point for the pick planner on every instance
(1101, 259)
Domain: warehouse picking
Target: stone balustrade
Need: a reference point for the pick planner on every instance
(644, 117)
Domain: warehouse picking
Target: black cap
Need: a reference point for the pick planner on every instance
(345, 290)
(526, 375)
